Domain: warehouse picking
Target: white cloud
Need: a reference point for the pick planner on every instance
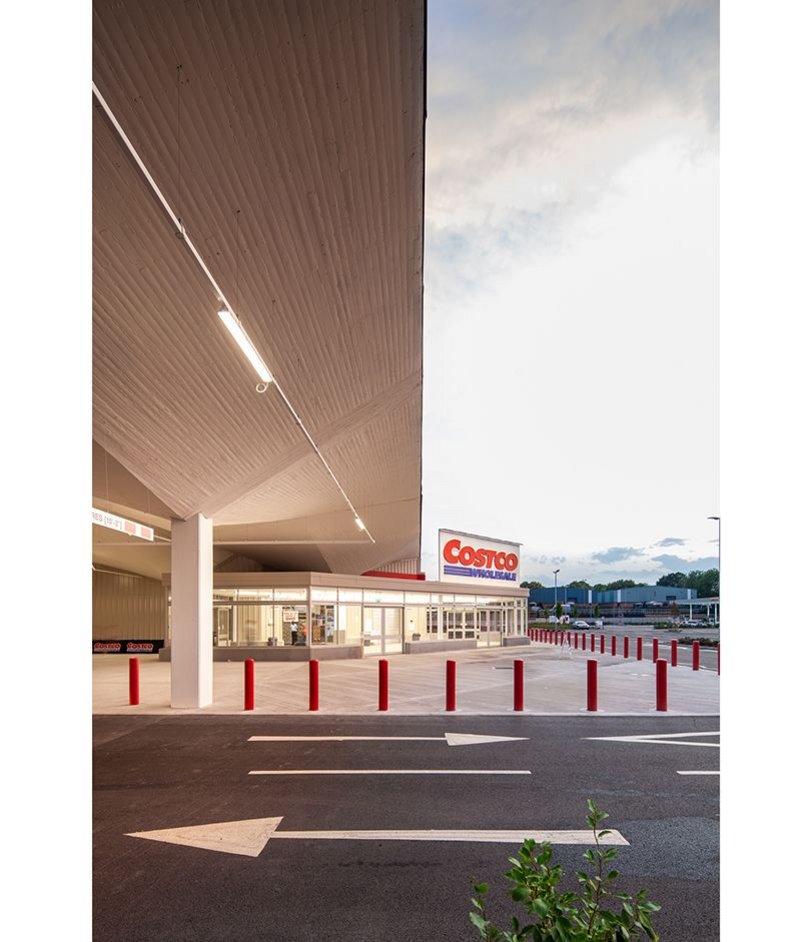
(571, 276)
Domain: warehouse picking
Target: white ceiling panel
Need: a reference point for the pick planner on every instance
(288, 137)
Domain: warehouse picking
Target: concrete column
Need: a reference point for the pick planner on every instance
(191, 665)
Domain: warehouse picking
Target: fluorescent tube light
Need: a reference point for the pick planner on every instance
(245, 345)
(360, 523)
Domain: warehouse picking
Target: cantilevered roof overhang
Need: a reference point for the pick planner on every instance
(288, 138)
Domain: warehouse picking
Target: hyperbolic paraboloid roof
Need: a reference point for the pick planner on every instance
(288, 138)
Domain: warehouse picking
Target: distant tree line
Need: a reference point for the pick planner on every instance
(706, 581)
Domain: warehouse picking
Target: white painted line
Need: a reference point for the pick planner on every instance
(698, 773)
(248, 838)
(389, 772)
(452, 739)
(661, 739)
(496, 837)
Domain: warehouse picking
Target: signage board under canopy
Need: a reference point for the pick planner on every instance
(102, 518)
(477, 560)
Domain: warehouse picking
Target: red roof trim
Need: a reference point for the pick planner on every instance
(394, 575)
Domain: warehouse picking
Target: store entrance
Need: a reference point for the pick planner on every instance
(383, 630)
(490, 627)
(223, 625)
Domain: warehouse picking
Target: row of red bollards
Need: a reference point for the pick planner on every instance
(313, 684)
(557, 637)
(383, 684)
(450, 674)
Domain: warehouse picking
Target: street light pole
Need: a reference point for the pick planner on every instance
(555, 594)
(719, 561)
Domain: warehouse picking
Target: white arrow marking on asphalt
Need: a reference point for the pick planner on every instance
(661, 739)
(249, 838)
(452, 739)
(389, 772)
(698, 773)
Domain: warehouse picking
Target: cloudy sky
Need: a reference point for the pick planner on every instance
(571, 283)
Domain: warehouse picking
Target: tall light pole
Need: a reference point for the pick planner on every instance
(719, 561)
(555, 596)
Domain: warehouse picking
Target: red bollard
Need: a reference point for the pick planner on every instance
(674, 646)
(313, 684)
(661, 685)
(625, 650)
(583, 641)
(133, 681)
(519, 685)
(249, 684)
(695, 655)
(655, 650)
(593, 642)
(591, 686)
(383, 684)
(638, 649)
(575, 640)
(613, 645)
(450, 695)
(602, 644)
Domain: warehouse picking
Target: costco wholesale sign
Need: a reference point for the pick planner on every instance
(472, 559)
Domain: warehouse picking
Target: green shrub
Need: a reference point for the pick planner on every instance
(567, 917)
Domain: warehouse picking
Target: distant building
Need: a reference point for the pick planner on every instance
(645, 596)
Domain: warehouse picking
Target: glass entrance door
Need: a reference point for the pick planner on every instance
(392, 630)
(383, 630)
(223, 627)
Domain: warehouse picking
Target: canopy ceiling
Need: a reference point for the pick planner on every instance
(288, 138)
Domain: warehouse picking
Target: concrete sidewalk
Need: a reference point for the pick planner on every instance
(555, 684)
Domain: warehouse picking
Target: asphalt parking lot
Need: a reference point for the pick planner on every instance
(317, 875)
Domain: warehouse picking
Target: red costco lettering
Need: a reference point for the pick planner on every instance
(481, 558)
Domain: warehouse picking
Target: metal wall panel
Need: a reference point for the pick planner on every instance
(126, 606)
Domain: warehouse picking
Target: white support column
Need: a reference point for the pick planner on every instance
(191, 665)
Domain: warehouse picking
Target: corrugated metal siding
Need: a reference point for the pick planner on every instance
(126, 606)
(408, 566)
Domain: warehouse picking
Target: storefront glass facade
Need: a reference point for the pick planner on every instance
(382, 620)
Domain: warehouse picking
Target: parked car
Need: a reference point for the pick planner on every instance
(579, 624)
(692, 623)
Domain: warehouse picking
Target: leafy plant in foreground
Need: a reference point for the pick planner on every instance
(568, 917)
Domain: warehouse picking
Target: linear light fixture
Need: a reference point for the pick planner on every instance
(245, 345)
(230, 320)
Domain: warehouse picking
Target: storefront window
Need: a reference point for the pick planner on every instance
(417, 598)
(323, 595)
(349, 630)
(252, 624)
(351, 595)
(288, 595)
(415, 617)
(434, 622)
(381, 597)
(323, 624)
(291, 624)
